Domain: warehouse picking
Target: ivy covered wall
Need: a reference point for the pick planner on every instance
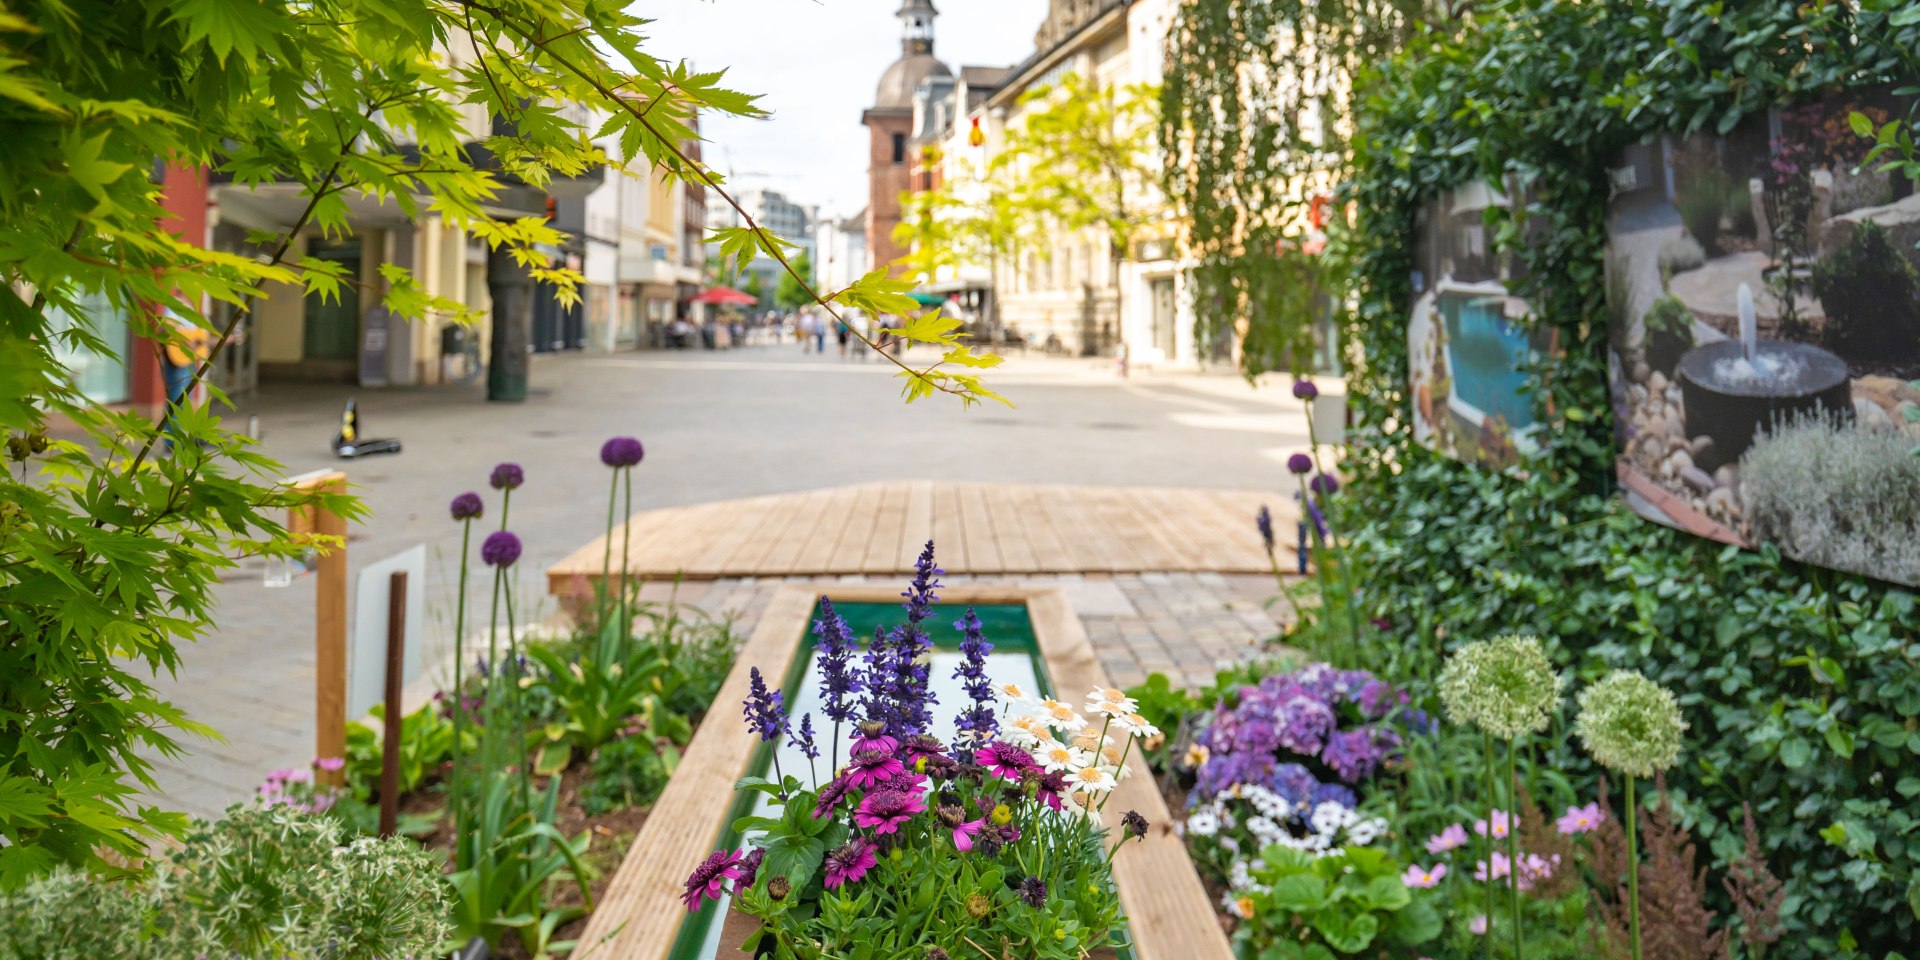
(1802, 686)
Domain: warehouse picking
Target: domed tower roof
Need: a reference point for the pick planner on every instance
(916, 62)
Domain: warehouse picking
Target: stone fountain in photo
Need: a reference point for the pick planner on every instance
(1734, 389)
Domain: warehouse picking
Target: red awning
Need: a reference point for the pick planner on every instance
(725, 296)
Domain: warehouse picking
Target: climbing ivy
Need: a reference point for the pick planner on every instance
(1255, 124)
(1801, 685)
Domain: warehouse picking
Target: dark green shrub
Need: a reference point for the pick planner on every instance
(1872, 298)
(1703, 201)
(1669, 333)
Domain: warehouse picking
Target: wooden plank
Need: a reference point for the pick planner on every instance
(983, 539)
(1086, 542)
(725, 531)
(842, 511)
(1232, 514)
(1050, 553)
(1116, 512)
(639, 914)
(1168, 911)
(810, 515)
(1165, 526)
(883, 539)
(949, 536)
(1217, 535)
(329, 620)
(1010, 531)
(919, 525)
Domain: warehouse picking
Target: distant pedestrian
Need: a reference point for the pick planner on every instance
(840, 331)
(189, 347)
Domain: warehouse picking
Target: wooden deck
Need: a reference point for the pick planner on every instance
(982, 529)
(1168, 911)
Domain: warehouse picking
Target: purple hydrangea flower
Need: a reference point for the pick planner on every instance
(468, 506)
(1303, 389)
(500, 549)
(1308, 722)
(622, 452)
(1355, 754)
(1335, 793)
(1294, 783)
(507, 476)
(1300, 463)
(1378, 698)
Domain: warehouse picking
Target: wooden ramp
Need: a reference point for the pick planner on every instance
(982, 529)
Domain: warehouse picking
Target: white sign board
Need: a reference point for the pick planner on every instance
(367, 652)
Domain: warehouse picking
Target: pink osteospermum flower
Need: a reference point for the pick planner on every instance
(873, 766)
(1424, 877)
(884, 811)
(1452, 838)
(1004, 759)
(850, 861)
(963, 834)
(708, 880)
(1581, 819)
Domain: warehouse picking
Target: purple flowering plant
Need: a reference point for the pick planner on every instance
(916, 839)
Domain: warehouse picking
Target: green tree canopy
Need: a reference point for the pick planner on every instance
(789, 293)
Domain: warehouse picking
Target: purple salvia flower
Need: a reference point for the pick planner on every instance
(763, 709)
(1264, 522)
(977, 723)
(802, 740)
(834, 646)
(1319, 519)
(468, 506)
(920, 591)
(507, 476)
(500, 549)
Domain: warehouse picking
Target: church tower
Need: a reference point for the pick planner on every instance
(889, 124)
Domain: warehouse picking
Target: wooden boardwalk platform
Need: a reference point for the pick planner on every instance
(982, 529)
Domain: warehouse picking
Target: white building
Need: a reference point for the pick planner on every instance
(840, 251)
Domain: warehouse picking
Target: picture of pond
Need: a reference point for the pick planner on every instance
(1469, 341)
(1764, 336)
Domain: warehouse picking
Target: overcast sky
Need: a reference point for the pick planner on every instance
(817, 62)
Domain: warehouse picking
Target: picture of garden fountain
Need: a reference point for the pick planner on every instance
(1764, 293)
(1468, 338)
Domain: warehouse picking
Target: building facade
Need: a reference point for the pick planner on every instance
(777, 214)
(890, 123)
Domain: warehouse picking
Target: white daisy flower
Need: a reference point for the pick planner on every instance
(1091, 778)
(1136, 725)
(1111, 702)
(1062, 717)
(1058, 756)
(1013, 693)
(1027, 730)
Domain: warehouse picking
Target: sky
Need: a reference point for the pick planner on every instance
(817, 63)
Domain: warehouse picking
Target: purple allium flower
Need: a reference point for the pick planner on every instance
(831, 794)
(883, 811)
(1324, 484)
(708, 880)
(468, 506)
(803, 739)
(507, 476)
(1303, 389)
(622, 452)
(978, 722)
(764, 711)
(1004, 759)
(850, 861)
(500, 549)
(1033, 892)
(835, 647)
(1300, 463)
(1263, 521)
(872, 766)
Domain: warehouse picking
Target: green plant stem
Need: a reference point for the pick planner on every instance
(626, 567)
(519, 701)
(506, 499)
(1633, 872)
(459, 696)
(1486, 742)
(606, 554)
(1513, 845)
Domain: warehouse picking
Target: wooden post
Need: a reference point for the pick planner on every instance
(396, 669)
(330, 620)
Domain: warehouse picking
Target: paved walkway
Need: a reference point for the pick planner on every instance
(720, 426)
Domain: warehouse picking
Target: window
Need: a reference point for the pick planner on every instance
(899, 148)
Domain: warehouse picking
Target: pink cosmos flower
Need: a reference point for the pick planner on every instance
(850, 861)
(963, 834)
(331, 764)
(1478, 925)
(1502, 822)
(1501, 867)
(883, 811)
(1452, 838)
(1423, 877)
(1581, 819)
(1535, 868)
